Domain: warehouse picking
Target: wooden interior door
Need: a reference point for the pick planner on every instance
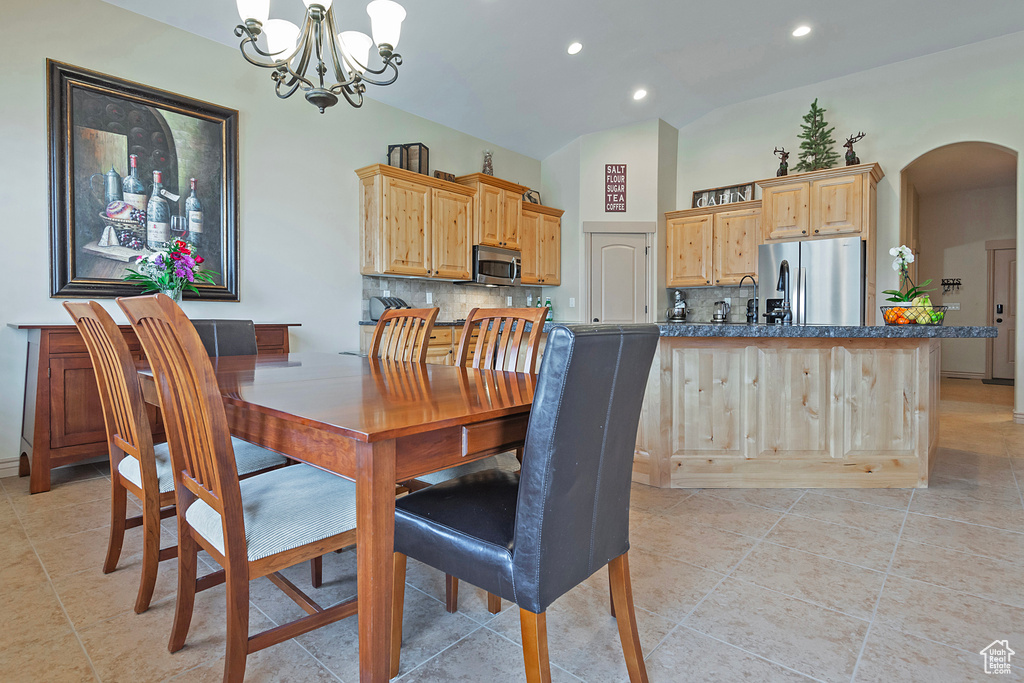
(618, 278)
(550, 248)
(1004, 312)
(512, 207)
(406, 228)
(450, 228)
(785, 211)
(529, 229)
(837, 205)
(689, 258)
(488, 215)
(736, 236)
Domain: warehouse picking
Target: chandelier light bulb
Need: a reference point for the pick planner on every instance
(801, 31)
(355, 48)
(326, 4)
(258, 10)
(386, 17)
(640, 94)
(281, 37)
(574, 48)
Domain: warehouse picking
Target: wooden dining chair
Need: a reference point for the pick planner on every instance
(530, 537)
(403, 334)
(253, 527)
(136, 463)
(501, 339)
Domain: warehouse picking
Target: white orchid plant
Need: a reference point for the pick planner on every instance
(903, 257)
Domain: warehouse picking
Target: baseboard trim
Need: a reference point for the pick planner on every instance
(8, 468)
(1018, 418)
(954, 374)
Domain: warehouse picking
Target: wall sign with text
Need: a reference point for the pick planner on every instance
(615, 188)
(723, 195)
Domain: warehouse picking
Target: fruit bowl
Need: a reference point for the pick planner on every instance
(908, 314)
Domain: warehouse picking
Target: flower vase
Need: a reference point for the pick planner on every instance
(174, 294)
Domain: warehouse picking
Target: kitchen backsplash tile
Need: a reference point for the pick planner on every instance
(700, 302)
(455, 301)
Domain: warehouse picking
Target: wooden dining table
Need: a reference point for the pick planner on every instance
(377, 423)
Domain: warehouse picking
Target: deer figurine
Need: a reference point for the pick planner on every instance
(784, 161)
(851, 157)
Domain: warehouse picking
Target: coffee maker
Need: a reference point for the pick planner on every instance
(677, 312)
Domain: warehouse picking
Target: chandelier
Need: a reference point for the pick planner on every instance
(292, 51)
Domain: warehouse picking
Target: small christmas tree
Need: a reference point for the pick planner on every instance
(816, 146)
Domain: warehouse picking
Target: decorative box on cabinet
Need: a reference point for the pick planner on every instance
(500, 202)
(713, 245)
(414, 225)
(62, 422)
(541, 241)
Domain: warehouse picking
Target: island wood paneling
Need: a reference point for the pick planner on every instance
(853, 413)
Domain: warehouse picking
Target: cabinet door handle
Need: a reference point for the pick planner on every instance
(816, 232)
(803, 232)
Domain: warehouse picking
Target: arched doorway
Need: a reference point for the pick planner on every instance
(958, 214)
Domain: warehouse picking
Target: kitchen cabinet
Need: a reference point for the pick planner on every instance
(496, 224)
(414, 225)
(713, 245)
(541, 242)
(62, 421)
(786, 211)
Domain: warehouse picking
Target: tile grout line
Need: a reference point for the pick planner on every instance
(754, 654)
(881, 591)
(1013, 471)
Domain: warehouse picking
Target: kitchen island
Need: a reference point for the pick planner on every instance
(759, 406)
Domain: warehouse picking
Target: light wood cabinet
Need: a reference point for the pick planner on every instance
(713, 246)
(414, 225)
(837, 205)
(541, 244)
(496, 224)
(786, 211)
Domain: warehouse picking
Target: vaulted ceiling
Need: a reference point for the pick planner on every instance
(498, 69)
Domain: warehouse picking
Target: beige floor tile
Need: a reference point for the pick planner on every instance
(946, 616)
(19, 566)
(850, 513)
(845, 543)
(971, 538)
(830, 583)
(662, 585)
(31, 614)
(653, 498)
(17, 487)
(87, 550)
(64, 494)
(987, 578)
(427, 629)
(283, 662)
(897, 657)
(810, 639)
(115, 645)
(989, 470)
(687, 655)
(898, 499)
(472, 600)
(339, 584)
(481, 656)
(995, 507)
(700, 545)
(61, 659)
(775, 499)
(725, 515)
(583, 638)
(64, 521)
(90, 595)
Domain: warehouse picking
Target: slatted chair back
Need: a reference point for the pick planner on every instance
(402, 334)
(197, 430)
(502, 339)
(124, 411)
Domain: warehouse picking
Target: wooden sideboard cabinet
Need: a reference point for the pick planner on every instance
(62, 421)
(500, 203)
(713, 245)
(415, 225)
(541, 240)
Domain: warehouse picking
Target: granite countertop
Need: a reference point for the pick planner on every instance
(437, 323)
(833, 331)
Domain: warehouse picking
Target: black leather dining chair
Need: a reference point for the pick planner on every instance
(532, 536)
(223, 337)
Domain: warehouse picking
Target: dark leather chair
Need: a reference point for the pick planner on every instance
(530, 537)
(227, 337)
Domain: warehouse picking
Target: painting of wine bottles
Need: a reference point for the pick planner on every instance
(132, 169)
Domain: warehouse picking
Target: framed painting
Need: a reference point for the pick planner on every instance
(132, 168)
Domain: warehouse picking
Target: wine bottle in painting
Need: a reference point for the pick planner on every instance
(158, 217)
(194, 216)
(132, 188)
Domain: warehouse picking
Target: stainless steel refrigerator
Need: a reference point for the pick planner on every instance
(826, 279)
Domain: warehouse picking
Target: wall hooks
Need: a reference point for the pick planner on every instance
(950, 284)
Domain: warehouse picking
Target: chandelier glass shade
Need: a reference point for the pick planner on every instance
(315, 58)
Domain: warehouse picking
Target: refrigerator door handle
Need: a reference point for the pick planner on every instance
(801, 296)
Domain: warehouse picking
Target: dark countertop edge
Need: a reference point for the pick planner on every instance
(57, 326)
(828, 331)
(437, 323)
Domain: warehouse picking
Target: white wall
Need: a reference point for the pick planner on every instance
(972, 93)
(953, 229)
(298, 220)
(560, 187)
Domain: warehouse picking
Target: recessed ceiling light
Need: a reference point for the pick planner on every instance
(640, 94)
(574, 48)
(801, 31)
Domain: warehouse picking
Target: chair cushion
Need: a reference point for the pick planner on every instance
(464, 527)
(504, 461)
(249, 458)
(284, 509)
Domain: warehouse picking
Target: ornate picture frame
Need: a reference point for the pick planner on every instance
(95, 122)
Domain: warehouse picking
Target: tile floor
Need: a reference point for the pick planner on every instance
(755, 585)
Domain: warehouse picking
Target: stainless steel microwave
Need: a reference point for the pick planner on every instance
(494, 266)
